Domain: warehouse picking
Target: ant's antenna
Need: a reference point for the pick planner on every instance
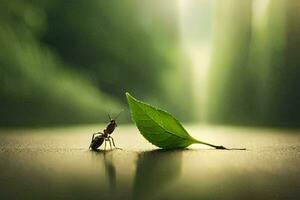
(118, 114)
(109, 117)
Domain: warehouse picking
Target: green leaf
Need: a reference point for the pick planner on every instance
(159, 127)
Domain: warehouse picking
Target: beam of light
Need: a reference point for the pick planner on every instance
(195, 36)
(259, 8)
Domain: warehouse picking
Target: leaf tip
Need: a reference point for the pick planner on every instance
(128, 95)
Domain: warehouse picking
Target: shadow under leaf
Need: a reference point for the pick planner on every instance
(156, 169)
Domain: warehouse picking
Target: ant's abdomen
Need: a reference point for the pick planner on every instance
(97, 142)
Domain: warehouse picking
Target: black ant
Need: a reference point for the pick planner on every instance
(105, 136)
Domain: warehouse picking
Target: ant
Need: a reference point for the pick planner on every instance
(105, 136)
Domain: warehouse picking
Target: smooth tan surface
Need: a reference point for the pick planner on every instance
(56, 164)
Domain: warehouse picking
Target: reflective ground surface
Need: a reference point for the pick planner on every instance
(56, 164)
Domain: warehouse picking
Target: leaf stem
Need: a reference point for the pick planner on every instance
(217, 147)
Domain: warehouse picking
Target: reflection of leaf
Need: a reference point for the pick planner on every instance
(159, 127)
(156, 169)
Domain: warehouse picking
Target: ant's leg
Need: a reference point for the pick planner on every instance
(109, 143)
(104, 144)
(93, 136)
(112, 139)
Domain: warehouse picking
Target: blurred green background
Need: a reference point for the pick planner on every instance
(211, 61)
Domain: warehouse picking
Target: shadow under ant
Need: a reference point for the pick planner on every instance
(110, 169)
(102, 151)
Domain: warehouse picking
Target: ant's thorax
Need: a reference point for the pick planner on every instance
(105, 134)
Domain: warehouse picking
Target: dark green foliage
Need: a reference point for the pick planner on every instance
(68, 62)
(115, 43)
(71, 61)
